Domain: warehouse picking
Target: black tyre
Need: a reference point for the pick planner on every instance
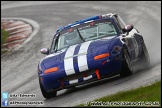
(145, 59)
(127, 68)
(45, 93)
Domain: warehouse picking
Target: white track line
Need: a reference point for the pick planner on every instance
(14, 24)
(15, 35)
(16, 27)
(20, 30)
(20, 40)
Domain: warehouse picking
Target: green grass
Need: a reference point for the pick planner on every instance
(148, 95)
(4, 35)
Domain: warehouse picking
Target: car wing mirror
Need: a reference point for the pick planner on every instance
(44, 51)
(128, 28)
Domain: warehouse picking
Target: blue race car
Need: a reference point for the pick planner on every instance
(89, 50)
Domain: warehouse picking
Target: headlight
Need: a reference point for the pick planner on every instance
(39, 69)
(116, 52)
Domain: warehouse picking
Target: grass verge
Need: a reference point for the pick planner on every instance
(4, 35)
(142, 96)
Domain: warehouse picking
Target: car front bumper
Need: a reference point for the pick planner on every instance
(59, 80)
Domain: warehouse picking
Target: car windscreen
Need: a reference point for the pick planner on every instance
(85, 32)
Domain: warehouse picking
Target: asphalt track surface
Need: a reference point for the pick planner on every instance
(19, 70)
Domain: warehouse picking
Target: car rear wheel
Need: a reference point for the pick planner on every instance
(145, 59)
(45, 93)
(127, 68)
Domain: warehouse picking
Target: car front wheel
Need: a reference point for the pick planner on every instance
(145, 59)
(127, 68)
(45, 93)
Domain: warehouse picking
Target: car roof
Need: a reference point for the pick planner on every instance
(107, 16)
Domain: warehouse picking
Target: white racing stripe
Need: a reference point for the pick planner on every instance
(82, 60)
(68, 62)
(73, 81)
(87, 78)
